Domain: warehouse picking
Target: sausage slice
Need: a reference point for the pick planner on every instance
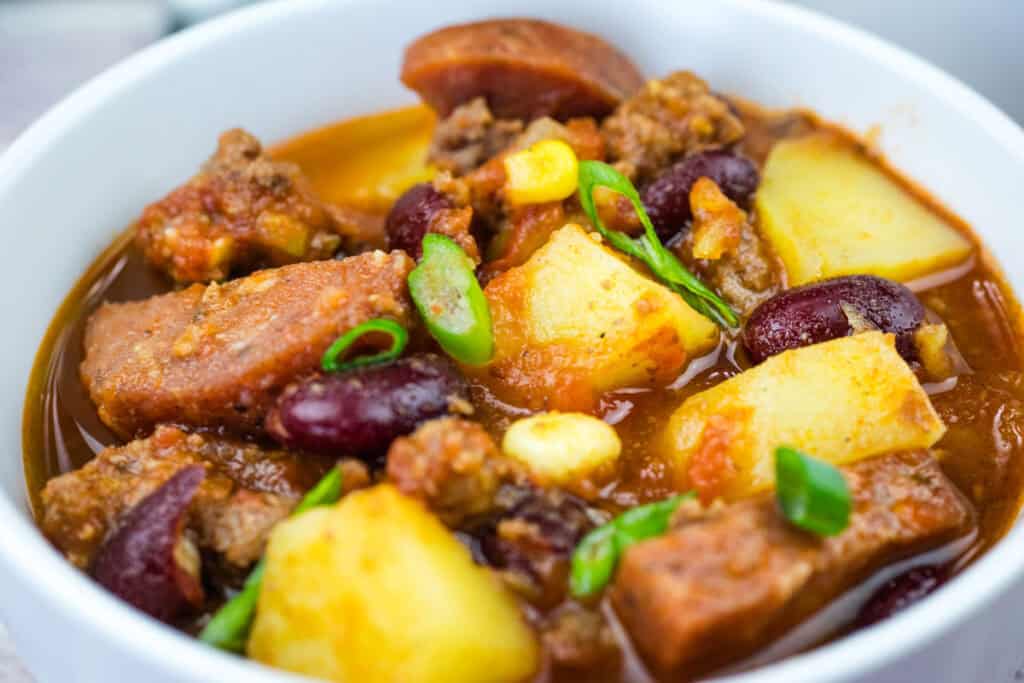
(524, 68)
(218, 356)
(726, 581)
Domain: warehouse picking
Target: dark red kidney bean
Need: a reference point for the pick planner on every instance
(667, 199)
(409, 218)
(901, 592)
(815, 313)
(141, 562)
(360, 412)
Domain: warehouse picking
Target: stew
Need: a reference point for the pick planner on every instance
(563, 375)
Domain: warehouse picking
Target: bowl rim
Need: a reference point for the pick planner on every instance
(33, 561)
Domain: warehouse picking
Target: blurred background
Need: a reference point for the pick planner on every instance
(47, 47)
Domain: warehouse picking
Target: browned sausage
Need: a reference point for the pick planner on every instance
(523, 67)
(218, 356)
(723, 581)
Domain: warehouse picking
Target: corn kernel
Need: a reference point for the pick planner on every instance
(545, 172)
(563, 448)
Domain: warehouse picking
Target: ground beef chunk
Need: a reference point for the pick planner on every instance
(532, 541)
(219, 355)
(454, 466)
(457, 224)
(744, 276)
(236, 530)
(473, 163)
(246, 491)
(581, 134)
(665, 120)
(469, 136)
(726, 580)
(523, 68)
(525, 532)
(518, 231)
(241, 211)
(578, 637)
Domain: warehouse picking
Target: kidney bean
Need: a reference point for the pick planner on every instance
(830, 309)
(901, 592)
(667, 199)
(142, 562)
(360, 412)
(409, 218)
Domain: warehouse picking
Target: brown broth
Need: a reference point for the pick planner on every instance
(983, 450)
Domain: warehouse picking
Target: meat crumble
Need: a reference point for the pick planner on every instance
(241, 211)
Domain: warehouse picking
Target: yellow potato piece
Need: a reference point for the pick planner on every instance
(576, 320)
(842, 400)
(563, 448)
(545, 172)
(367, 162)
(376, 590)
(829, 211)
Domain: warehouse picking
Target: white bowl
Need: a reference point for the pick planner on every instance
(71, 182)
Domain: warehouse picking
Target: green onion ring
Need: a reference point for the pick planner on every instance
(399, 339)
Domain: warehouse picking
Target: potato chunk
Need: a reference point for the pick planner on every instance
(576, 320)
(375, 590)
(842, 400)
(563, 448)
(829, 210)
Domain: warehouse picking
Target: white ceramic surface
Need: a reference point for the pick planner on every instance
(83, 171)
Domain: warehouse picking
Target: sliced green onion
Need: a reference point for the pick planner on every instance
(593, 561)
(812, 493)
(597, 555)
(449, 299)
(229, 627)
(646, 521)
(648, 248)
(326, 492)
(399, 338)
